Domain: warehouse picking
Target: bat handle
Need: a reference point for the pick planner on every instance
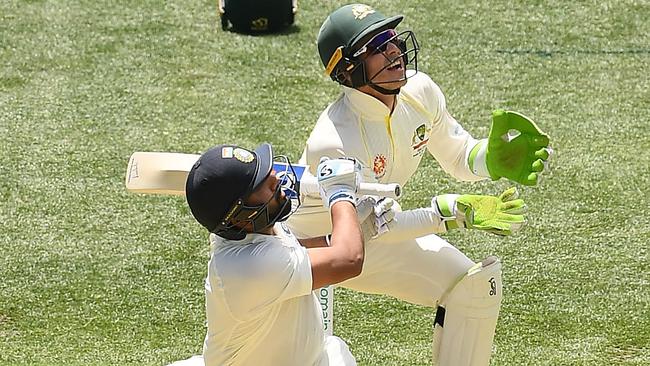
(390, 190)
(309, 187)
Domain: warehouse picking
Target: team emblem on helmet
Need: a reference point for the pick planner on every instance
(379, 166)
(361, 11)
(242, 155)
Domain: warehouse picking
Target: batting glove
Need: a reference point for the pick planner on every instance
(515, 149)
(501, 215)
(375, 217)
(338, 180)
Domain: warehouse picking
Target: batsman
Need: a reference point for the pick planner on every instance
(387, 117)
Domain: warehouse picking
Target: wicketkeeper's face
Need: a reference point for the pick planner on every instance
(384, 61)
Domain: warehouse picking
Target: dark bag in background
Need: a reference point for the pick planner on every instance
(257, 16)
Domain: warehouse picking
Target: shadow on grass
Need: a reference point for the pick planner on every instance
(293, 29)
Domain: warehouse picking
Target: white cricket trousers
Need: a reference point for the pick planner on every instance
(418, 270)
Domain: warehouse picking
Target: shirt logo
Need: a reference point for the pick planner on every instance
(361, 11)
(420, 139)
(379, 166)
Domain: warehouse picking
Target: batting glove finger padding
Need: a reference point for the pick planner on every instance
(384, 215)
(365, 208)
(375, 217)
(366, 215)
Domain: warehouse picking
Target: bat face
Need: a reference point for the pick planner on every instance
(158, 172)
(166, 173)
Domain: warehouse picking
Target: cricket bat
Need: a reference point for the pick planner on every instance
(166, 173)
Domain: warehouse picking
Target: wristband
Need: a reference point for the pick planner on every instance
(477, 159)
(342, 195)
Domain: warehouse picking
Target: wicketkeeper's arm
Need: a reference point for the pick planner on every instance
(500, 215)
(413, 224)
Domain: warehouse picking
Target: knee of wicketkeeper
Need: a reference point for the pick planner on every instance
(467, 315)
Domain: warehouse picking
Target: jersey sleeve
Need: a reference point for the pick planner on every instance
(450, 144)
(263, 274)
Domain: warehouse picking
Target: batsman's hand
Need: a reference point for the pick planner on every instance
(501, 215)
(517, 149)
(375, 216)
(338, 180)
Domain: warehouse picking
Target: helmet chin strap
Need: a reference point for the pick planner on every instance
(377, 87)
(383, 90)
(258, 217)
(358, 77)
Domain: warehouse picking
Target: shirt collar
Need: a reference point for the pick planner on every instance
(365, 104)
(217, 240)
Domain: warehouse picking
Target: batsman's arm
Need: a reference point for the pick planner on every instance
(343, 258)
(318, 242)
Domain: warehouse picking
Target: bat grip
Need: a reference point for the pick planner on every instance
(390, 190)
(309, 187)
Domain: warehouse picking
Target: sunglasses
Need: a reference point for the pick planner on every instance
(379, 42)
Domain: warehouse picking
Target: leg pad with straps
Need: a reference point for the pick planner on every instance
(467, 316)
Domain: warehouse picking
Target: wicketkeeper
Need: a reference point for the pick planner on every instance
(388, 116)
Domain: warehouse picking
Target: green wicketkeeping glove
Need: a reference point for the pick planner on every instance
(501, 215)
(516, 148)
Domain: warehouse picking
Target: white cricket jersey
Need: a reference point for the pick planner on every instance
(390, 146)
(260, 306)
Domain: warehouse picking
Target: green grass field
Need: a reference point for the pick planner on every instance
(92, 275)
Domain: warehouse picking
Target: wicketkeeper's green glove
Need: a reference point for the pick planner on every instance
(516, 149)
(501, 215)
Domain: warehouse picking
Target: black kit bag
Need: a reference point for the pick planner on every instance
(257, 16)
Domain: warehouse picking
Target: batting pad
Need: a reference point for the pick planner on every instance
(467, 317)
